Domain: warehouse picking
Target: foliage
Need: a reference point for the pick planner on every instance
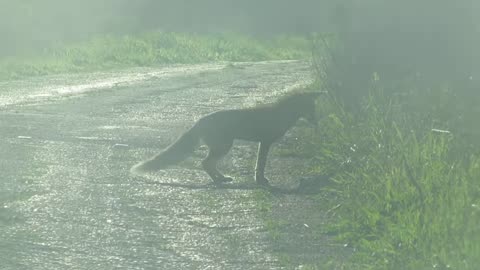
(408, 191)
(153, 48)
(400, 142)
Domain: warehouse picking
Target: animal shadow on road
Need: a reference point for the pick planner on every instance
(306, 186)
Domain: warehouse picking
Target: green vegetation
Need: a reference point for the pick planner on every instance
(408, 193)
(151, 49)
(403, 159)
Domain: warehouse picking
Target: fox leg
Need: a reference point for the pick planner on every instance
(261, 162)
(217, 150)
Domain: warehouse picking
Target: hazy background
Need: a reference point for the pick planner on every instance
(442, 35)
(31, 24)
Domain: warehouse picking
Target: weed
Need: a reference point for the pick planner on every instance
(409, 193)
(152, 49)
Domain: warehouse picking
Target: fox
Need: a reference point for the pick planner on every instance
(264, 123)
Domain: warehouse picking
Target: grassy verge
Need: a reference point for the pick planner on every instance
(404, 186)
(150, 49)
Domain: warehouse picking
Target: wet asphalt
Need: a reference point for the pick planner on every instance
(68, 200)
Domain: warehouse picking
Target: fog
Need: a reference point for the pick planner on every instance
(33, 24)
(409, 34)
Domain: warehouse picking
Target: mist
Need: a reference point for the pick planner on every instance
(37, 24)
(411, 34)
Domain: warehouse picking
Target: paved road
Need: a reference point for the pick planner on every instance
(68, 201)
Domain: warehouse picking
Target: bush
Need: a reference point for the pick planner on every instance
(409, 199)
(400, 142)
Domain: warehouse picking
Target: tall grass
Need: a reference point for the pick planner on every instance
(151, 49)
(408, 192)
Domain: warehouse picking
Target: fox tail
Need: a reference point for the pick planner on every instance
(173, 154)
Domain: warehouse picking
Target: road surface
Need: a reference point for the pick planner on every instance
(68, 201)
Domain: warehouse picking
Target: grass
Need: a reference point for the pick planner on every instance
(152, 49)
(408, 190)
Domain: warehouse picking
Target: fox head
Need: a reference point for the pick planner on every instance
(305, 104)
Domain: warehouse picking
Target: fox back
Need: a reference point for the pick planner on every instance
(262, 123)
